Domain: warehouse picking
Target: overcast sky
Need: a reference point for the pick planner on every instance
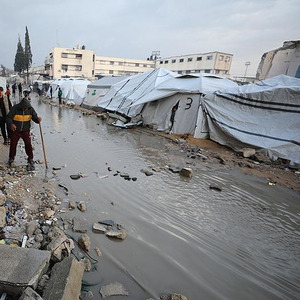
(133, 28)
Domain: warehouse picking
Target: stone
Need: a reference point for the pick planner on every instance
(87, 265)
(84, 242)
(48, 214)
(98, 228)
(156, 169)
(21, 268)
(88, 295)
(173, 297)
(65, 280)
(31, 227)
(2, 217)
(174, 169)
(79, 225)
(246, 152)
(39, 238)
(2, 198)
(113, 289)
(99, 253)
(30, 294)
(125, 175)
(120, 234)
(81, 206)
(43, 281)
(84, 175)
(186, 172)
(71, 205)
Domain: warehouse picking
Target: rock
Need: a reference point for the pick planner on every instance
(173, 297)
(134, 179)
(88, 295)
(39, 238)
(120, 234)
(99, 253)
(156, 169)
(124, 175)
(81, 206)
(84, 242)
(84, 175)
(30, 294)
(54, 172)
(202, 156)
(186, 172)
(146, 172)
(2, 217)
(71, 205)
(65, 280)
(214, 187)
(75, 177)
(113, 289)
(79, 225)
(45, 229)
(98, 228)
(48, 214)
(246, 152)
(87, 265)
(2, 198)
(174, 169)
(31, 227)
(43, 281)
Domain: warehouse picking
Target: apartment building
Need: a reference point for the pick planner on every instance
(218, 63)
(114, 66)
(79, 62)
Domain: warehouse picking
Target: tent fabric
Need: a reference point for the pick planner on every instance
(165, 89)
(97, 90)
(265, 115)
(73, 89)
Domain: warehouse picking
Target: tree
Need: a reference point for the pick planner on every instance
(27, 53)
(19, 58)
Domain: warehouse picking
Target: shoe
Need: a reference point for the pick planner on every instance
(30, 166)
(11, 163)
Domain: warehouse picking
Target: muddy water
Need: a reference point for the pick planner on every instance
(241, 243)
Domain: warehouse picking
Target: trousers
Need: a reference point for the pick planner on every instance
(14, 138)
(4, 129)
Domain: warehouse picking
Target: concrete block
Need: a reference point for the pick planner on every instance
(65, 280)
(79, 225)
(247, 152)
(30, 294)
(21, 268)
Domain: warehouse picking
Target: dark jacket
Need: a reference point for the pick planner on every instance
(21, 114)
(5, 106)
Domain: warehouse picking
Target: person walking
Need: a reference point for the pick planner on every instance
(59, 95)
(18, 120)
(20, 90)
(5, 106)
(14, 87)
(7, 93)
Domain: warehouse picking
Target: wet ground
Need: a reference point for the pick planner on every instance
(182, 237)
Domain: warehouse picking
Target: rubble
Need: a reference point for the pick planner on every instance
(186, 172)
(84, 242)
(113, 289)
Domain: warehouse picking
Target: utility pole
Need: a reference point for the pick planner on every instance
(247, 64)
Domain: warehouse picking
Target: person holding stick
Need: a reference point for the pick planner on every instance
(18, 120)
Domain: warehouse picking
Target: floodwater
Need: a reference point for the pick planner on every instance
(241, 243)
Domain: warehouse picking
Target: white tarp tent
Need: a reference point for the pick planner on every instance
(73, 89)
(265, 115)
(155, 93)
(97, 90)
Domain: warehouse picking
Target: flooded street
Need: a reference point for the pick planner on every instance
(182, 237)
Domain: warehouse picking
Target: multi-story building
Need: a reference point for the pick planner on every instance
(79, 62)
(70, 62)
(218, 63)
(114, 66)
(284, 60)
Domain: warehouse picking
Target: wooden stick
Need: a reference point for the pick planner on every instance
(44, 150)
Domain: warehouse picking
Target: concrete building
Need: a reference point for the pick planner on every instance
(79, 62)
(113, 66)
(70, 62)
(284, 60)
(218, 63)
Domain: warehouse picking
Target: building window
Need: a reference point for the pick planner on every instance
(181, 60)
(166, 61)
(217, 71)
(161, 62)
(227, 58)
(79, 56)
(179, 72)
(111, 72)
(187, 72)
(145, 66)
(199, 58)
(221, 57)
(197, 71)
(64, 67)
(112, 63)
(137, 65)
(64, 55)
(78, 68)
(173, 61)
(206, 71)
(209, 57)
(190, 59)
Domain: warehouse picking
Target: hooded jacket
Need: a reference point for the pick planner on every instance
(21, 114)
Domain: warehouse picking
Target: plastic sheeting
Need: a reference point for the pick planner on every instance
(265, 115)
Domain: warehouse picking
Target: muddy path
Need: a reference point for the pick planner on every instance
(240, 243)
